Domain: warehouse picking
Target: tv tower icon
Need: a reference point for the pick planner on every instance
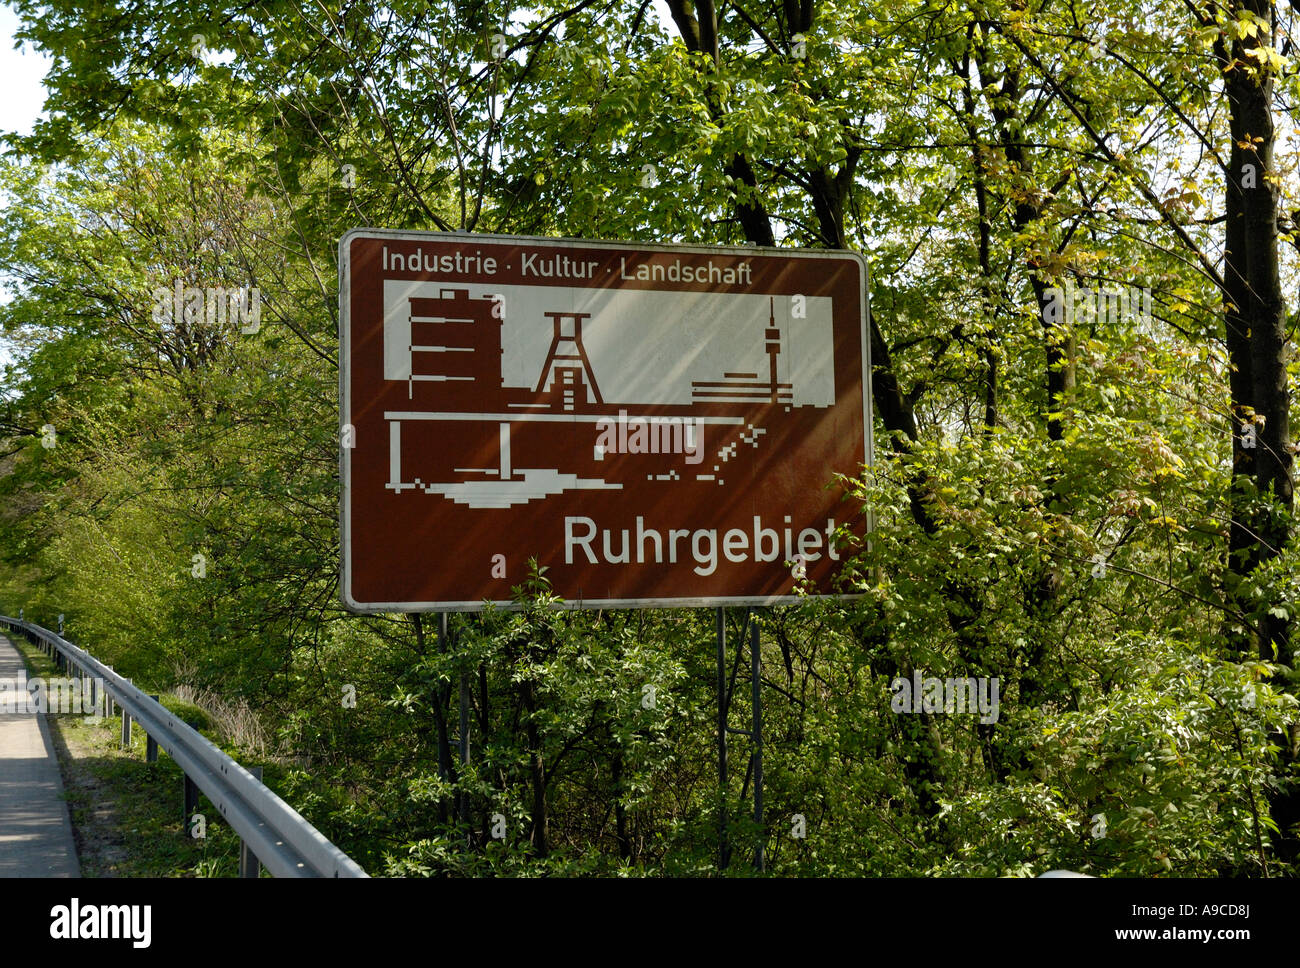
(773, 342)
(751, 387)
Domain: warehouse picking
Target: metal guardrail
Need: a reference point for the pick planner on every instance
(285, 843)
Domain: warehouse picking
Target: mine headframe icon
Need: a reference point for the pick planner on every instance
(567, 371)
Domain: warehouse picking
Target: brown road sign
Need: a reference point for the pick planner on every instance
(657, 425)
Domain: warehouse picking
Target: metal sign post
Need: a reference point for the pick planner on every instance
(754, 734)
(462, 800)
(756, 698)
(724, 701)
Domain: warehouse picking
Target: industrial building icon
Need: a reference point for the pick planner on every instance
(453, 340)
(449, 350)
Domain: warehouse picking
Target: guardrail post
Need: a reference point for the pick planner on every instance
(126, 730)
(249, 865)
(150, 744)
(191, 801)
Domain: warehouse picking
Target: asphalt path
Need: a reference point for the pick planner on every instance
(35, 832)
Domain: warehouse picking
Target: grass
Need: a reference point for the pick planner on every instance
(126, 813)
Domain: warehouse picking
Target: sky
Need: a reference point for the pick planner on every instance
(22, 72)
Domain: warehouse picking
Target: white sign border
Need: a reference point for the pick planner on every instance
(345, 410)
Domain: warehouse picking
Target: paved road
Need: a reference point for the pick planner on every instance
(35, 833)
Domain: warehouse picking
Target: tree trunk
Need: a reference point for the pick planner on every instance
(1255, 322)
